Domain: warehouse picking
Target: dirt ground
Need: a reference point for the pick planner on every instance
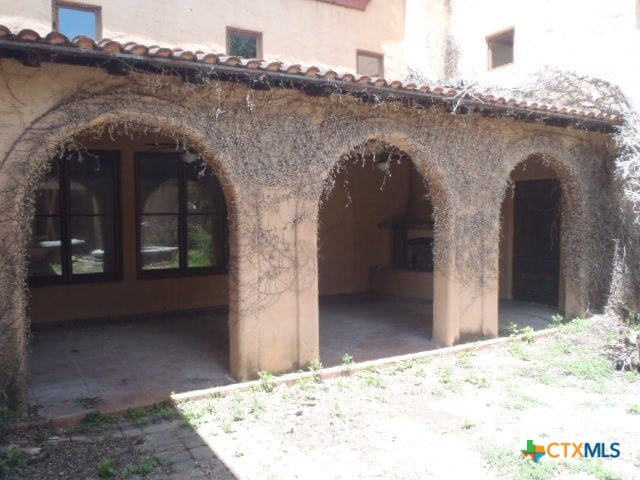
(460, 416)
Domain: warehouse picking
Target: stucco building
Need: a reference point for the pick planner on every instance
(139, 179)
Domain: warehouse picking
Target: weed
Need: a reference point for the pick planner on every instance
(371, 378)
(634, 409)
(577, 325)
(517, 351)
(315, 366)
(482, 382)
(404, 365)
(437, 392)
(94, 420)
(347, 362)
(147, 465)
(266, 381)
(463, 359)
(237, 412)
(557, 320)
(517, 400)
(527, 334)
(144, 415)
(513, 329)
(12, 464)
(227, 426)
(192, 414)
(107, 468)
(468, 424)
(257, 405)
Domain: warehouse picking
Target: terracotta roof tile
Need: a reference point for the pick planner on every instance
(310, 72)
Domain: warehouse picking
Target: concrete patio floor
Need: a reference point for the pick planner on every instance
(112, 366)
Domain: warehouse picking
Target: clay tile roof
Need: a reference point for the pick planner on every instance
(312, 71)
(85, 43)
(330, 75)
(28, 35)
(134, 48)
(274, 66)
(110, 46)
(55, 43)
(208, 58)
(5, 32)
(55, 38)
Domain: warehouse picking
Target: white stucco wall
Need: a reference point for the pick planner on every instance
(586, 36)
(295, 31)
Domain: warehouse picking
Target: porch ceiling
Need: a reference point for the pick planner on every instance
(117, 58)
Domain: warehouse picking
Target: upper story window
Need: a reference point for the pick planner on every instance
(244, 43)
(73, 19)
(74, 233)
(500, 48)
(182, 215)
(370, 64)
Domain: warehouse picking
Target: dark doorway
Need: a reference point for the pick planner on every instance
(536, 251)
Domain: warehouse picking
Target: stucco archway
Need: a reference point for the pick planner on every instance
(25, 163)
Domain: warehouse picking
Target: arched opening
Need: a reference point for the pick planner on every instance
(531, 285)
(375, 257)
(128, 284)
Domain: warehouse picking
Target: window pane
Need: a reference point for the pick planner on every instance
(158, 183)
(92, 245)
(204, 193)
(369, 65)
(243, 44)
(74, 21)
(206, 241)
(45, 252)
(91, 184)
(48, 193)
(159, 241)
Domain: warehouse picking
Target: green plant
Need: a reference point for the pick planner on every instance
(513, 329)
(107, 468)
(404, 365)
(258, 404)
(147, 465)
(347, 361)
(481, 382)
(144, 415)
(557, 320)
(315, 366)
(468, 424)
(266, 381)
(94, 420)
(227, 426)
(634, 409)
(463, 359)
(527, 334)
(12, 464)
(371, 378)
(237, 411)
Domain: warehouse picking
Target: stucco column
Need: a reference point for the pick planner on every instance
(465, 285)
(273, 294)
(13, 323)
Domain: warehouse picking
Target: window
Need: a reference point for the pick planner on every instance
(244, 43)
(74, 231)
(181, 216)
(370, 64)
(500, 49)
(73, 19)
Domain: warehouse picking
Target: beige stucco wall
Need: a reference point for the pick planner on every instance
(294, 31)
(130, 295)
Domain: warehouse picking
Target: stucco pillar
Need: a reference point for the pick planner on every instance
(13, 324)
(273, 297)
(465, 287)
